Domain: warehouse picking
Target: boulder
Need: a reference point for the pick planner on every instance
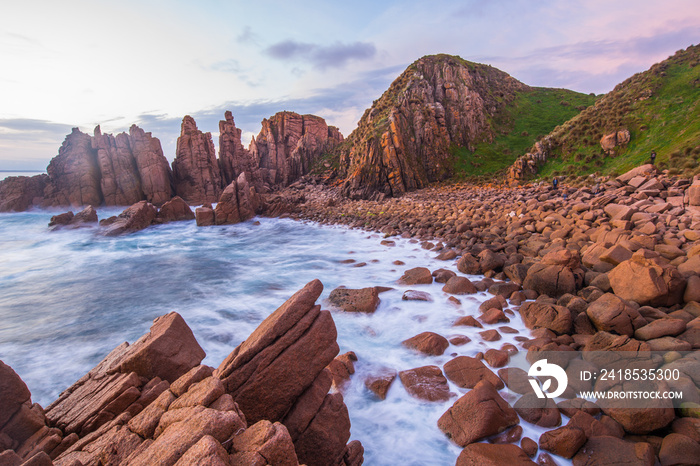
(426, 383)
(429, 343)
(558, 273)
(363, 300)
(550, 316)
(647, 281)
(459, 285)
(204, 216)
(175, 210)
(484, 454)
(611, 313)
(380, 382)
(19, 193)
(478, 414)
(416, 276)
(135, 218)
(467, 372)
(611, 451)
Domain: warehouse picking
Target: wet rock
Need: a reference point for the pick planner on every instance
(645, 280)
(483, 454)
(415, 295)
(175, 210)
(426, 383)
(204, 215)
(541, 412)
(135, 218)
(429, 343)
(379, 383)
(459, 285)
(467, 372)
(478, 414)
(363, 300)
(610, 313)
(564, 441)
(416, 276)
(613, 451)
(542, 315)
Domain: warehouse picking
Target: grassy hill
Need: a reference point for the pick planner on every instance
(660, 109)
(533, 114)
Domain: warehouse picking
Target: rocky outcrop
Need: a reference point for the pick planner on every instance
(289, 144)
(234, 159)
(153, 403)
(120, 183)
(19, 193)
(404, 141)
(196, 174)
(153, 168)
(529, 164)
(610, 141)
(239, 202)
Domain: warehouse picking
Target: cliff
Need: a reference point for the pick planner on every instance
(405, 140)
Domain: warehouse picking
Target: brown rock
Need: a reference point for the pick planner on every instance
(467, 372)
(644, 280)
(13, 393)
(679, 449)
(484, 454)
(660, 328)
(429, 343)
(426, 383)
(204, 216)
(610, 451)
(416, 276)
(19, 193)
(564, 441)
(542, 412)
(135, 218)
(153, 168)
(416, 295)
(515, 379)
(206, 451)
(467, 321)
(478, 414)
(196, 174)
(341, 368)
(380, 382)
(541, 315)
(558, 273)
(610, 313)
(469, 265)
(264, 443)
(459, 285)
(175, 210)
(443, 275)
(323, 441)
(363, 300)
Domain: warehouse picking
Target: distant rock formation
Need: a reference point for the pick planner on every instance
(610, 141)
(289, 144)
(196, 174)
(405, 140)
(19, 193)
(152, 402)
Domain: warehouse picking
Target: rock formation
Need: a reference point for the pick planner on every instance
(153, 403)
(239, 202)
(19, 193)
(120, 183)
(289, 144)
(153, 168)
(196, 174)
(404, 141)
(234, 159)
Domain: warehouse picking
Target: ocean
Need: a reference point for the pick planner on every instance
(70, 296)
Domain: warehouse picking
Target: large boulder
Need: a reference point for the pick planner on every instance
(558, 273)
(426, 383)
(477, 415)
(550, 316)
(175, 210)
(135, 218)
(610, 313)
(363, 300)
(647, 280)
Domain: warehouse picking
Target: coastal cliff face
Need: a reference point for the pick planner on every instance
(289, 144)
(153, 402)
(404, 140)
(196, 174)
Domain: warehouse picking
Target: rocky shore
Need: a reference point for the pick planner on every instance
(612, 267)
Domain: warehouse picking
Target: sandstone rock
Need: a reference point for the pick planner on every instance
(196, 175)
(611, 451)
(609, 313)
(429, 343)
(206, 451)
(646, 281)
(135, 218)
(416, 276)
(204, 216)
(660, 328)
(679, 449)
(468, 264)
(426, 383)
(564, 441)
(542, 412)
(467, 372)
(380, 382)
(234, 159)
(19, 193)
(341, 368)
(459, 285)
(363, 300)
(558, 273)
(541, 315)
(484, 454)
(13, 393)
(119, 179)
(476, 415)
(264, 443)
(175, 210)
(153, 168)
(416, 295)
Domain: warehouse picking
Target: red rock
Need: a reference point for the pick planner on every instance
(323, 441)
(467, 372)
(610, 313)
(289, 144)
(175, 210)
(146, 421)
(416, 276)
(459, 285)
(196, 174)
(263, 443)
(484, 454)
(529, 446)
(564, 441)
(153, 168)
(467, 321)
(515, 379)
(542, 412)
(550, 316)
(643, 280)
(496, 358)
(679, 449)
(363, 300)
(13, 393)
(380, 382)
(19, 193)
(511, 435)
(234, 159)
(557, 274)
(194, 375)
(135, 218)
(490, 335)
(341, 368)
(442, 275)
(202, 393)
(478, 414)
(459, 340)
(469, 265)
(611, 451)
(660, 328)
(206, 451)
(415, 295)
(119, 179)
(426, 383)
(429, 343)
(204, 216)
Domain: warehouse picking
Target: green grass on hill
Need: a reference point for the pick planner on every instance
(660, 109)
(532, 115)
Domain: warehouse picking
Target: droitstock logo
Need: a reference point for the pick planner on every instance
(543, 369)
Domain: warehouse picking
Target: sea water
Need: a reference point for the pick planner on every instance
(70, 296)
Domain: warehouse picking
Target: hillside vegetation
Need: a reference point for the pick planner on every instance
(659, 108)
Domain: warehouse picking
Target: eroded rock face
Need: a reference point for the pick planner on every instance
(19, 193)
(234, 159)
(196, 174)
(153, 168)
(289, 144)
(403, 142)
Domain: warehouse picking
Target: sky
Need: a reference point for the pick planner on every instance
(76, 63)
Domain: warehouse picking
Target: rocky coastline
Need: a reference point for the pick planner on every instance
(609, 267)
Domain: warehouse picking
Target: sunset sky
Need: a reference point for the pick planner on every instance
(150, 62)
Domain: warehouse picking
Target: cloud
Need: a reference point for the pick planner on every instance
(321, 56)
(29, 144)
(248, 36)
